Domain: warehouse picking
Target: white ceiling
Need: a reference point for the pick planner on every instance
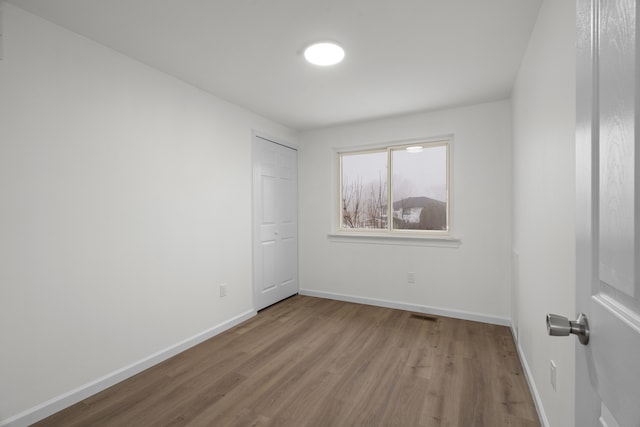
(402, 56)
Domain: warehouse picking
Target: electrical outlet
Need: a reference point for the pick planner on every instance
(553, 375)
(411, 277)
(223, 290)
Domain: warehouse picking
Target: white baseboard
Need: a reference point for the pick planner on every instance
(532, 385)
(65, 400)
(457, 314)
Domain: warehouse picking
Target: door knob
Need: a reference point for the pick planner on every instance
(560, 326)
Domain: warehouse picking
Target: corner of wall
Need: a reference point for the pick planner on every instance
(530, 381)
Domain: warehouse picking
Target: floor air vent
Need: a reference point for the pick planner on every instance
(424, 317)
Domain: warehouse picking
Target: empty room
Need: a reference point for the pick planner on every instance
(319, 213)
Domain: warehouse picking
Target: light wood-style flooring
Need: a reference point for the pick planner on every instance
(317, 362)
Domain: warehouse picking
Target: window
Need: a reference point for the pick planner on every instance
(396, 189)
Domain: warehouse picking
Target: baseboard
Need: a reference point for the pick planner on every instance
(61, 402)
(457, 314)
(532, 385)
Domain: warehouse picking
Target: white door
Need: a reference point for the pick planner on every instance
(608, 213)
(275, 222)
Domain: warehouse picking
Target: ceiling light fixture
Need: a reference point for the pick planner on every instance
(324, 53)
(415, 149)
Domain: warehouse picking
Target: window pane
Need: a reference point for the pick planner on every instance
(363, 197)
(420, 188)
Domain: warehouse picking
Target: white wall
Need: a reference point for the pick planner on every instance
(125, 199)
(544, 202)
(473, 278)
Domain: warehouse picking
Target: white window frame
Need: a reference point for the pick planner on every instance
(390, 236)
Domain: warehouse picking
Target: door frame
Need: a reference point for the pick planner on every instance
(587, 402)
(255, 134)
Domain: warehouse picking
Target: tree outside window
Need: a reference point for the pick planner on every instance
(396, 189)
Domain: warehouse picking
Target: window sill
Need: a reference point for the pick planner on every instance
(379, 239)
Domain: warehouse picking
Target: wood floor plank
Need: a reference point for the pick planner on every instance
(317, 362)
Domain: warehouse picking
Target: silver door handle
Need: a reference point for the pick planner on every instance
(560, 326)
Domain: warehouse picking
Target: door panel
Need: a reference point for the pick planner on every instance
(275, 202)
(608, 207)
(268, 278)
(289, 250)
(616, 356)
(268, 187)
(617, 136)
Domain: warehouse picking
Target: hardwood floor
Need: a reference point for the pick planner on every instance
(316, 362)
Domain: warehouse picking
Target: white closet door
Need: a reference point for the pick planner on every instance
(275, 218)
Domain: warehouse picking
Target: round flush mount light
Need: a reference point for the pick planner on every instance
(324, 53)
(415, 149)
